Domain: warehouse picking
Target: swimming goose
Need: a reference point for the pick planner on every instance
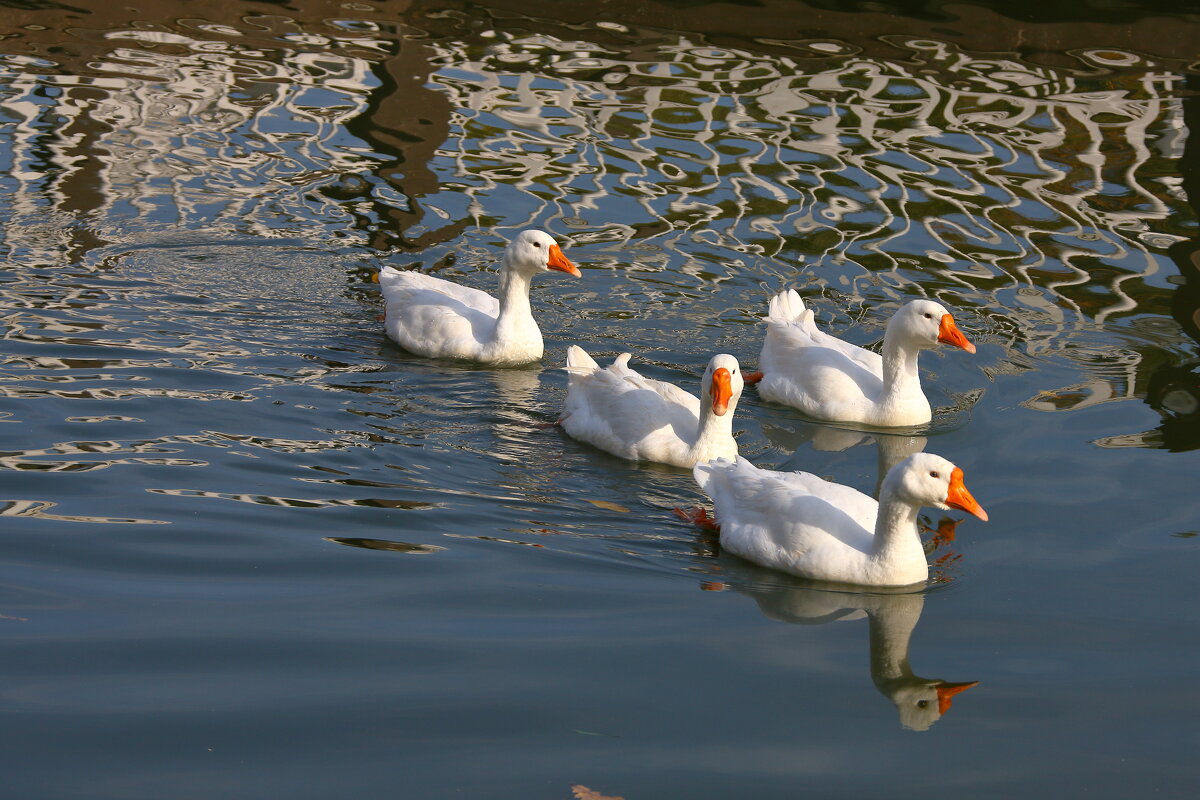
(630, 416)
(827, 378)
(798, 523)
(436, 318)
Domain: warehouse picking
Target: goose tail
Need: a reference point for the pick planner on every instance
(787, 308)
(579, 362)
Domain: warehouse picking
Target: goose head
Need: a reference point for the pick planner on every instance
(722, 384)
(924, 324)
(925, 479)
(922, 702)
(536, 251)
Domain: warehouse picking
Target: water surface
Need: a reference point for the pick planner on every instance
(251, 548)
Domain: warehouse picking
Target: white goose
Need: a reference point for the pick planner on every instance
(436, 318)
(619, 411)
(827, 378)
(798, 523)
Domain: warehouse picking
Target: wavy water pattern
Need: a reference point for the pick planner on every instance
(212, 458)
(994, 178)
(167, 130)
(203, 185)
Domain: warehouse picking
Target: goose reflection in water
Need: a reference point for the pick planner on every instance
(890, 449)
(518, 411)
(891, 618)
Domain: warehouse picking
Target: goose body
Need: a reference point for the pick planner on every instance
(440, 319)
(633, 417)
(798, 523)
(830, 379)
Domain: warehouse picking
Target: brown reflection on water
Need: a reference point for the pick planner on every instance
(300, 502)
(386, 544)
(1170, 381)
(39, 509)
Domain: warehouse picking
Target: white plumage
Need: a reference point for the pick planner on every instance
(830, 379)
(436, 318)
(798, 523)
(619, 411)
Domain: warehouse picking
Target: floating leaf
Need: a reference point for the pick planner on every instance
(584, 793)
(610, 506)
(384, 544)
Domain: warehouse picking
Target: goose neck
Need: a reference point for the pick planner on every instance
(899, 365)
(713, 431)
(897, 545)
(514, 298)
(889, 652)
(892, 627)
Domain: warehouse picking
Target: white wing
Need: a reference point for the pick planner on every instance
(820, 374)
(433, 317)
(631, 416)
(793, 521)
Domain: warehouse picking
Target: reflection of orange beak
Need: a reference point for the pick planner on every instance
(561, 263)
(959, 497)
(948, 333)
(946, 693)
(722, 391)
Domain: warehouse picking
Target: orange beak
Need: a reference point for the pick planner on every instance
(563, 264)
(946, 693)
(959, 497)
(721, 391)
(948, 333)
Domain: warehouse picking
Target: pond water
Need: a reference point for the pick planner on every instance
(250, 548)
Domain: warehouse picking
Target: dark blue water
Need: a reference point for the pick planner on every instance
(250, 548)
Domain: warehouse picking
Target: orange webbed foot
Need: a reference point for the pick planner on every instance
(699, 517)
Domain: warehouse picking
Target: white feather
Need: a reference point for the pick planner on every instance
(436, 318)
(638, 418)
(798, 523)
(831, 379)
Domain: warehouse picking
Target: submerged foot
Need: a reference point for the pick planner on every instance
(699, 517)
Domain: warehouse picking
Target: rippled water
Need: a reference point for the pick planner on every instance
(251, 548)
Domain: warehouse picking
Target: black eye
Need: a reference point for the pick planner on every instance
(929, 316)
(922, 703)
(934, 475)
(539, 244)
